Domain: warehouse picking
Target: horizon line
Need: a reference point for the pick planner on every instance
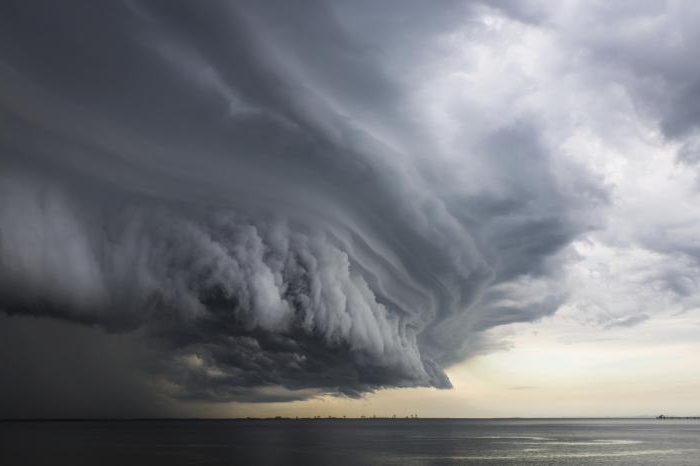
(323, 418)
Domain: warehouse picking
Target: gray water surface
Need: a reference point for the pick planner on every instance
(352, 442)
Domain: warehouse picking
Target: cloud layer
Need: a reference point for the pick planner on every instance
(285, 201)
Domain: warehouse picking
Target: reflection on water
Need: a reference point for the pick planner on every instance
(340, 442)
(581, 443)
(569, 455)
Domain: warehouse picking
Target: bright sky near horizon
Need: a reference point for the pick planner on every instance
(554, 368)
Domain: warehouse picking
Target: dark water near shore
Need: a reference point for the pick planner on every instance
(352, 442)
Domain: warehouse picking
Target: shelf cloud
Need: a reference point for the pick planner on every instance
(267, 196)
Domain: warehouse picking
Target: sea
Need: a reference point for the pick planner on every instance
(333, 442)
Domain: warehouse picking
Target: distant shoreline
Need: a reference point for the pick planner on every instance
(663, 418)
(327, 418)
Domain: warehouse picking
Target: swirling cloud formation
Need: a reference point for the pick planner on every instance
(282, 200)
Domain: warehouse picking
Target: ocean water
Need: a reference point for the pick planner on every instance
(352, 442)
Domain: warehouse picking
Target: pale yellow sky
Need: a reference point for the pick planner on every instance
(553, 368)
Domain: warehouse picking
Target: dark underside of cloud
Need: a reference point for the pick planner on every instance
(240, 185)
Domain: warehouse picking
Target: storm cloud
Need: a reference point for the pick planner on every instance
(268, 196)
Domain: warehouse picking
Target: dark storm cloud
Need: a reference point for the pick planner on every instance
(240, 183)
(57, 369)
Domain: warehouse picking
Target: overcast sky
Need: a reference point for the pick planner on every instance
(458, 208)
